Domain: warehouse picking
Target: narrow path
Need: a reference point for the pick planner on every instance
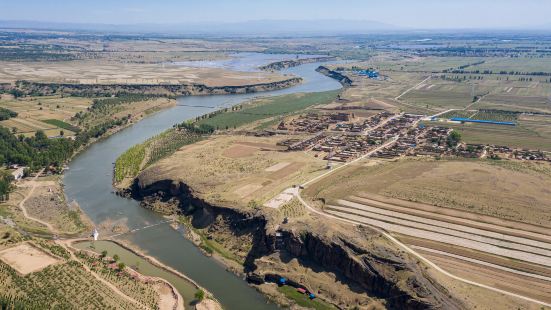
(413, 87)
(24, 210)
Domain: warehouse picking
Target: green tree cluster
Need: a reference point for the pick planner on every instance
(35, 152)
(6, 114)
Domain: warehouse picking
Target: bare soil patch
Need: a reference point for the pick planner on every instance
(26, 259)
(264, 146)
(289, 169)
(533, 288)
(465, 252)
(248, 189)
(511, 192)
(239, 151)
(277, 167)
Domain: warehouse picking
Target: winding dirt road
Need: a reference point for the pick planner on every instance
(63, 243)
(24, 210)
(353, 221)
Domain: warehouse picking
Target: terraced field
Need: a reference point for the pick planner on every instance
(460, 242)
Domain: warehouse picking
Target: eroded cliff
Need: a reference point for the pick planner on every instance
(342, 258)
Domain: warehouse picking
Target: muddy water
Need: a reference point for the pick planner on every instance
(88, 181)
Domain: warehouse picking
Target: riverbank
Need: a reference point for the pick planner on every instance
(134, 250)
(284, 64)
(90, 177)
(165, 90)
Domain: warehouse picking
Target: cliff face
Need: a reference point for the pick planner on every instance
(150, 89)
(343, 79)
(284, 64)
(380, 271)
(362, 260)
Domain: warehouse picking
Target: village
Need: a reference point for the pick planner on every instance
(342, 137)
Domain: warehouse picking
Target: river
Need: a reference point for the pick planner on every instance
(88, 182)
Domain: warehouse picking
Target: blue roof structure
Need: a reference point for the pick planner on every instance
(468, 120)
(369, 73)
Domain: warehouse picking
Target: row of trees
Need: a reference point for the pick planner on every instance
(502, 72)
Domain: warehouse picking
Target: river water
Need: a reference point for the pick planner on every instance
(88, 182)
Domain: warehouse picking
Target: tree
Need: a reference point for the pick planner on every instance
(454, 138)
(103, 253)
(116, 258)
(121, 266)
(200, 295)
(61, 133)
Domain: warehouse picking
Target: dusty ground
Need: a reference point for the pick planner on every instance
(208, 304)
(509, 190)
(234, 170)
(477, 298)
(115, 72)
(526, 286)
(478, 214)
(13, 216)
(48, 204)
(26, 259)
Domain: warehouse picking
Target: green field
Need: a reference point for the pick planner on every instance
(520, 136)
(61, 124)
(303, 300)
(500, 116)
(521, 64)
(458, 113)
(487, 115)
(269, 107)
(456, 97)
(516, 103)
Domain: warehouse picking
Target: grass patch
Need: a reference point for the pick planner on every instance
(268, 107)
(61, 124)
(303, 300)
(212, 246)
(514, 136)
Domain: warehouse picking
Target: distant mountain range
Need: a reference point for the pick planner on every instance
(256, 27)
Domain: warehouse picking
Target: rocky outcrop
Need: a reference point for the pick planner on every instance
(343, 79)
(171, 90)
(375, 266)
(284, 64)
(379, 270)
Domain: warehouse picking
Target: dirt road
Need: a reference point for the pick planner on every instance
(24, 210)
(65, 244)
(377, 224)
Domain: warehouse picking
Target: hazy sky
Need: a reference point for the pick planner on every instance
(406, 13)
